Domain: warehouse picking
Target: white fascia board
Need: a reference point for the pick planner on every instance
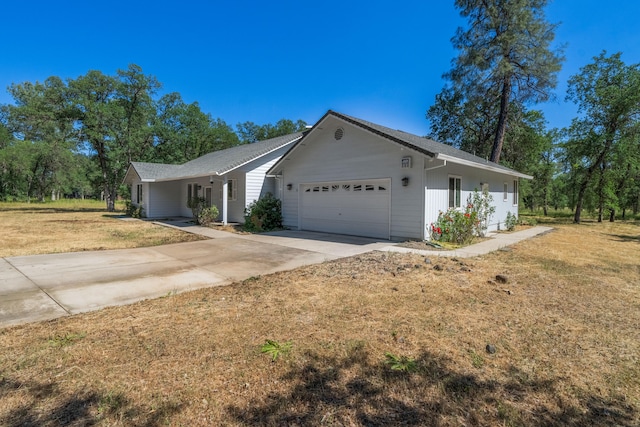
(488, 167)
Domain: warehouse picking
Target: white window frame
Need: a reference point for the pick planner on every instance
(515, 192)
(457, 191)
(139, 194)
(505, 197)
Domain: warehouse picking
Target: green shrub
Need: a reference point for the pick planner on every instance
(203, 214)
(133, 211)
(207, 215)
(510, 222)
(454, 226)
(264, 214)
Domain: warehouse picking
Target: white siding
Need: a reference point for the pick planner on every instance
(161, 199)
(257, 184)
(359, 155)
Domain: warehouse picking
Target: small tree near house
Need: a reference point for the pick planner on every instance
(203, 214)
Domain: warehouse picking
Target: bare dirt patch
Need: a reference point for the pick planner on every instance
(561, 348)
(74, 226)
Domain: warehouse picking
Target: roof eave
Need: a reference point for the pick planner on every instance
(488, 166)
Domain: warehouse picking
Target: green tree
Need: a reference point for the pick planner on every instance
(42, 119)
(113, 118)
(250, 132)
(605, 137)
(505, 59)
(183, 132)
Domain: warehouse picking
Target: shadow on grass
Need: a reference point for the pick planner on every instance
(625, 238)
(326, 391)
(43, 404)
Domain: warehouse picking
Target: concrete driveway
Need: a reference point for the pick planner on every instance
(42, 287)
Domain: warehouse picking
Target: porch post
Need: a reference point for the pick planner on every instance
(225, 199)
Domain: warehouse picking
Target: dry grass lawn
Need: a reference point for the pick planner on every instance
(74, 226)
(565, 329)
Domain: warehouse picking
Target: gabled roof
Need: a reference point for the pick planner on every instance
(422, 145)
(215, 163)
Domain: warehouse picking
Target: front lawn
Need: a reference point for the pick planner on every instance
(76, 225)
(376, 339)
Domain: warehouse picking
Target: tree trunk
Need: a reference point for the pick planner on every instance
(587, 178)
(612, 215)
(583, 189)
(502, 120)
(601, 196)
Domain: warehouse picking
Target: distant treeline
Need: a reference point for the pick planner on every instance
(76, 137)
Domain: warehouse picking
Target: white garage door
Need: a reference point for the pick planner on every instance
(359, 208)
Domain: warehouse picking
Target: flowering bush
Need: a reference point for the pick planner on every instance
(460, 227)
(455, 226)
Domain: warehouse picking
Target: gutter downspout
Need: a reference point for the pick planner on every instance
(437, 167)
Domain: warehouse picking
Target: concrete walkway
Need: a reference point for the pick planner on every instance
(496, 242)
(42, 287)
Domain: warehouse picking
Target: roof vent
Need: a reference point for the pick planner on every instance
(339, 134)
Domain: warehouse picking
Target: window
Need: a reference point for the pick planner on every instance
(515, 192)
(454, 191)
(506, 192)
(192, 191)
(232, 190)
(208, 196)
(139, 193)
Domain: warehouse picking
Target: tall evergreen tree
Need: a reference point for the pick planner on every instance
(505, 59)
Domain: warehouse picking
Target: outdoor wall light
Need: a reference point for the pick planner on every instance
(405, 181)
(289, 186)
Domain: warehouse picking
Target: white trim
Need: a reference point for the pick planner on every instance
(489, 167)
(225, 201)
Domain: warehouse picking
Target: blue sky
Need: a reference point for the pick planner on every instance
(262, 61)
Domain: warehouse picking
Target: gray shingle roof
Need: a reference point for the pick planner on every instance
(215, 163)
(425, 145)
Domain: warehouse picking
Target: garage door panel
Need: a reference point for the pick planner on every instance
(347, 207)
